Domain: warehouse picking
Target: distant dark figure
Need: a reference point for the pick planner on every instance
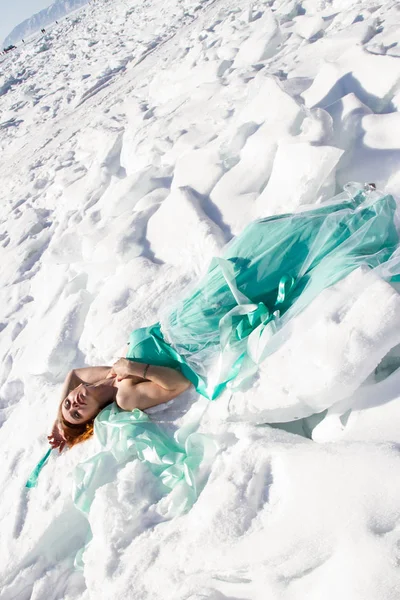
(10, 47)
(23, 41)
(43, 30)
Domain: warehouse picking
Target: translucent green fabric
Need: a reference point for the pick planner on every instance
(178, 462)
(126, 435)
(33, 477)
(217, 334)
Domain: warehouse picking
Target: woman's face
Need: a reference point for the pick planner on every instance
(81, 404)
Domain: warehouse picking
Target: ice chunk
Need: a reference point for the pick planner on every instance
(354, 72)
(317, 128)
(223, 67)
(123, 194)
(152, 198)
(227, 52)
(376, 154)
(122, 240)
(180, 233)
(199, 169)
(346, 114)
(372, 413)
(388, 37)
(298, 176)
(308, 27)
(196, 136)
(236, 209)
(279, 115)
(138, 150)
(231, 147)
(287, 10)
(382, 131)
(267, 102)
(248, 176)
(334, 344)
(263, 42)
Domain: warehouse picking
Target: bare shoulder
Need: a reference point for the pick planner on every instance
(141, 394)
(127, 396)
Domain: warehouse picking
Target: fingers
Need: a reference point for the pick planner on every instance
(118, 370)
(56, 439)
(54, 443)
(120, 363)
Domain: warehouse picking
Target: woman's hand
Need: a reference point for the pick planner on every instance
(56, 438)
(124, 368)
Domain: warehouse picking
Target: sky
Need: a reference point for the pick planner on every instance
(13, 13)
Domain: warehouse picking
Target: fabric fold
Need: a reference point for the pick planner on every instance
(124, 436)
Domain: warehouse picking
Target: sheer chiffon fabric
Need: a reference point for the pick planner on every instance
(232, 320)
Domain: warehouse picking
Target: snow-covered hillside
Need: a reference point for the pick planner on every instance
(52, 13)
(136, 138)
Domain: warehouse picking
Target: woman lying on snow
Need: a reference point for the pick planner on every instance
(88, 390)
(218, 334)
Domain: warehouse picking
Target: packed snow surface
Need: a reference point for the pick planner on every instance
(136, 138)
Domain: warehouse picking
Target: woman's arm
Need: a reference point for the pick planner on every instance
(71, 381)
(164, 377)
(56, 438)
(90, 374)
(84, 375)
(146, 394)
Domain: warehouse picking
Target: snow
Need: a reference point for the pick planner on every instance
(262, 485)
(334, 344)
(198, 169)
(136, 138)
(340, 77)
(199, 240)
(262, 43)
(309, 26)
(309, 167)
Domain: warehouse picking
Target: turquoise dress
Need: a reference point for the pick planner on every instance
(218, 334)
(264, 277)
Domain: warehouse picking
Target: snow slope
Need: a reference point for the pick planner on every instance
(41, 19)
(136, 138)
